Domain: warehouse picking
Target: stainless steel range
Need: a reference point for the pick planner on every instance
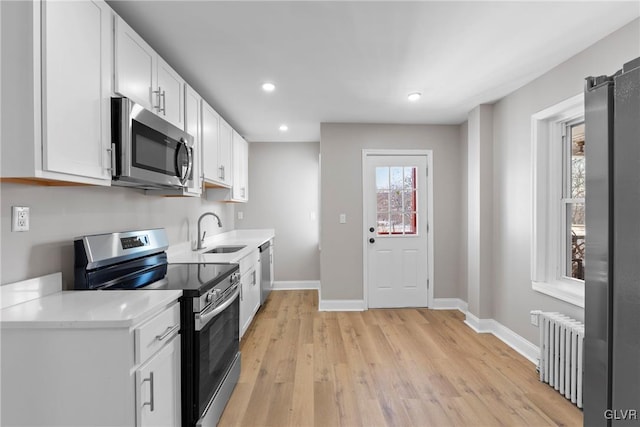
(210, 310)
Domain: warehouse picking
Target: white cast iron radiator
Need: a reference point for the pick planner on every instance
(561, 354)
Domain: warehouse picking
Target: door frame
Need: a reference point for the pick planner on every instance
(430, 226)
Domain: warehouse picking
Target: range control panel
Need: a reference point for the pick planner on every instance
(134, 241)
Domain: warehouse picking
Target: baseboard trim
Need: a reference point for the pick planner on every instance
(342, 305)
(282, 285)
(449, 304)
(527, 349)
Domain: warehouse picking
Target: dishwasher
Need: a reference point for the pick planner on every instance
(266, 261)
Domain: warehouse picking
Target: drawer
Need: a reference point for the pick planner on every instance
(152, 335)
(249, 262)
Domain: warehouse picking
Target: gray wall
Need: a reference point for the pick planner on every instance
(463, 279)
(513, 296)
(341, 192)
(283, 194)
(58, 214)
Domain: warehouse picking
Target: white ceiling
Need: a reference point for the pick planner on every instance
(356, 61)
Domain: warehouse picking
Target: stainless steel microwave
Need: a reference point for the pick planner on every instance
(147, 151)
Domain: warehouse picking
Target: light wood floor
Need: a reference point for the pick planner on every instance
(394, 367)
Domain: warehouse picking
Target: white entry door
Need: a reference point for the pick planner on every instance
(395, 197)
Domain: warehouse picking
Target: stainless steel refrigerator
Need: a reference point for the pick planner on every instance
(612, 267)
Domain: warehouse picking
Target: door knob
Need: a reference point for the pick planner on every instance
(372, 240)
(372, 229)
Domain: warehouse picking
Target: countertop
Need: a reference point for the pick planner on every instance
(251, 238)
(87, 309)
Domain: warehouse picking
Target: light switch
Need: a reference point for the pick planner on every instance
(343, 218)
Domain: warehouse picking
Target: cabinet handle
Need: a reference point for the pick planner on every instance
(221, 172)
(112, 152)
(243, 192)
(158, 95)
(254, 278)
(169, 331)
(241, 294)
(151, 399)
(164, 102)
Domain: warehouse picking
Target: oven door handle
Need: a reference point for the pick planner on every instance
(202, 319)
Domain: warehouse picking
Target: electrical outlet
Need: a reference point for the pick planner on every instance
(343, 218)
(19, 218)
(240, 215)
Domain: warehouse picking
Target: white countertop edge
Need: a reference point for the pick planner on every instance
(93, 309)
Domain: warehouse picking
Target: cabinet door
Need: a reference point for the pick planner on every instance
(210, 141)
(158, 388)
(193, 119)
(255, 289)
(246, 305)
(224, 153)
(240, 168)
(135, 67)
(244, 167)
(170, 94)
(76, 88)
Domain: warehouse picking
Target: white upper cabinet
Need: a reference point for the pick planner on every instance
(224, 152)
(170, 94)
(143, 76)
(76, 88)
(216, 148)
(58, 63)
(210, 143)
(135, 66)
(193, 126)
(240, 189)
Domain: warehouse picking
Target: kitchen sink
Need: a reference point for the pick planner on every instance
(224, 249)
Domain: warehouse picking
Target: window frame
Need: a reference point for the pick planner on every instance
(548, 251)
(566, 198)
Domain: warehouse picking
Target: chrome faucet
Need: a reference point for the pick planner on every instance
(201, 240)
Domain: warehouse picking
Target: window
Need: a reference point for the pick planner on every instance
(573, 199)
(396, 200)
(558, 232)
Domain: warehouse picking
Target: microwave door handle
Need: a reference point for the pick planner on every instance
(184, 177)
(190, 165)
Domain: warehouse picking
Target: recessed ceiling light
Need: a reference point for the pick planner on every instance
(284, 128)
(268, 87)
(413, 97)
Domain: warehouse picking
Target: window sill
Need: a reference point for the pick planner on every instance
(571, 292)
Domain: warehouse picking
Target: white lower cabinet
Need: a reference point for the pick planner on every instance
(115, 374)
(158, 388)
(250, 289)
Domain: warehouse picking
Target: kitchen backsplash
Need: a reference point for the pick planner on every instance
(59, 214)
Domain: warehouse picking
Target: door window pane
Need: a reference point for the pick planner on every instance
(383, 223)
(396, 177)
(396, 200)
(382, 178)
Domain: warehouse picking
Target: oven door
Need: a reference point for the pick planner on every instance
(217, 342)
(151, 151)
